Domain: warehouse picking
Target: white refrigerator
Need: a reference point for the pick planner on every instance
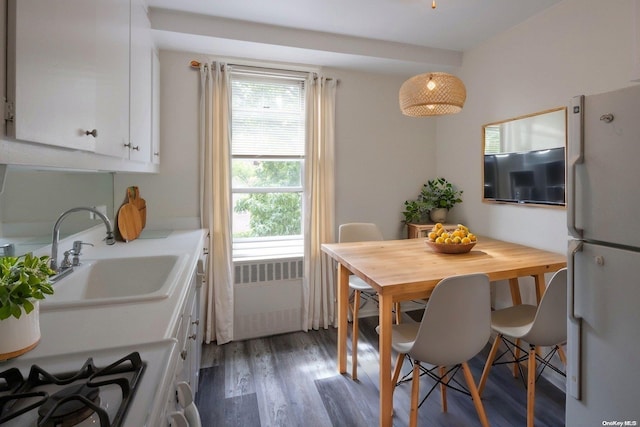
(603, 217)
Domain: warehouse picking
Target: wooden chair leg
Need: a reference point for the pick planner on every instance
(489, 363)
(396, 307)
(517, 356)
(354, 336)
(415, 390)
(562, 355)
(477, 402)
(398, 369)
(531, 386)
(443, 387)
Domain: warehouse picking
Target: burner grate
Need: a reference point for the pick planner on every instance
(70, 404)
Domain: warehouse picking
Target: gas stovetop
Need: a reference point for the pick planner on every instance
(108, 388)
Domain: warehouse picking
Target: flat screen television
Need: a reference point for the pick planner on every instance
(536, 177)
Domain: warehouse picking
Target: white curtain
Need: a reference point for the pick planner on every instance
(319, 204)
(215, 199)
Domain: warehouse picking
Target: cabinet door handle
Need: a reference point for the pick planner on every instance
(93, 133)
(193, 337)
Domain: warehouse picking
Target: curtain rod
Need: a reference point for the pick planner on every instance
(196, 64)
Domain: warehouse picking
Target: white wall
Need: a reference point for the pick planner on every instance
(172, 194)
(382, 157)
(577, 47)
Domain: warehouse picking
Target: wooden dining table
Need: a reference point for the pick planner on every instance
(402, 270)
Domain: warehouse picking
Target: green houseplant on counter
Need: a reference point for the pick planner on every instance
(24, 280)
(436, 198)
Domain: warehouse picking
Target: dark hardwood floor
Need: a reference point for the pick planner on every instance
(291, 380)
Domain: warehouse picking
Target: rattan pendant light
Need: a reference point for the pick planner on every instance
(432, 94)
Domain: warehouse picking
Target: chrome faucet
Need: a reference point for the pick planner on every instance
(56, 233)
(7, 249)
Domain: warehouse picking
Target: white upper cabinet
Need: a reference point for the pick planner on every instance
(112, 77)
(79, 76)
(155, 109)
(53, 72)
(141, 84)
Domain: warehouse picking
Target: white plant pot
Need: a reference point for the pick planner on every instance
(438, 214)
(18, 336)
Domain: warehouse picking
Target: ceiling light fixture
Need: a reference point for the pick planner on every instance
(432, 94)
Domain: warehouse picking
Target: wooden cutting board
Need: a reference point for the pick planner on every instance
(129, 220)
(133, 194)
(129, 223)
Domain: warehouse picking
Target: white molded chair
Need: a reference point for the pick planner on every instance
(455, 326)
(542, 325)
(358, 232)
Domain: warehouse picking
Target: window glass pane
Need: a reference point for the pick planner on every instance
(252, 173)
(267, 214)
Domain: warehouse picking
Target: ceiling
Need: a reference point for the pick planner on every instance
(395, 36)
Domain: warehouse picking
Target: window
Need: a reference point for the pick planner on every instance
(267, 163)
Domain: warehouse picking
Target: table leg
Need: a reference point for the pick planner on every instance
(517, 300)
(343, 307)
(540, 286)
(386, 387)
(515, 291)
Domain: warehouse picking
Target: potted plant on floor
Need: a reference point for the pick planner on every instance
(24, 280)
(436, 198)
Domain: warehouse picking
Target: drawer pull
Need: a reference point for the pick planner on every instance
(193, 337)
(184, 354)
(93, 133)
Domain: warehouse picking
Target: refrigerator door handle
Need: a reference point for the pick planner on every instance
(574, 327)
(576, 144)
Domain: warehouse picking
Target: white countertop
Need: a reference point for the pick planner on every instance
(97, 327)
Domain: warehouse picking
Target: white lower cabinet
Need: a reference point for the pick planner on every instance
(189, 337)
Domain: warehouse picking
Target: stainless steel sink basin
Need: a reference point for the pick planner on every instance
(116, 281)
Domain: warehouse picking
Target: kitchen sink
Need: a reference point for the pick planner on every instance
(116, 281)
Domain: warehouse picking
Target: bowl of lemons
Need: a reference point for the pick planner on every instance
(458, 241)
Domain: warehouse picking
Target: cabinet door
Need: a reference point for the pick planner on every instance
(112, 77)
(155, 109)
(52, 69)
(141, 84)
(195, 344)
(69, 73)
